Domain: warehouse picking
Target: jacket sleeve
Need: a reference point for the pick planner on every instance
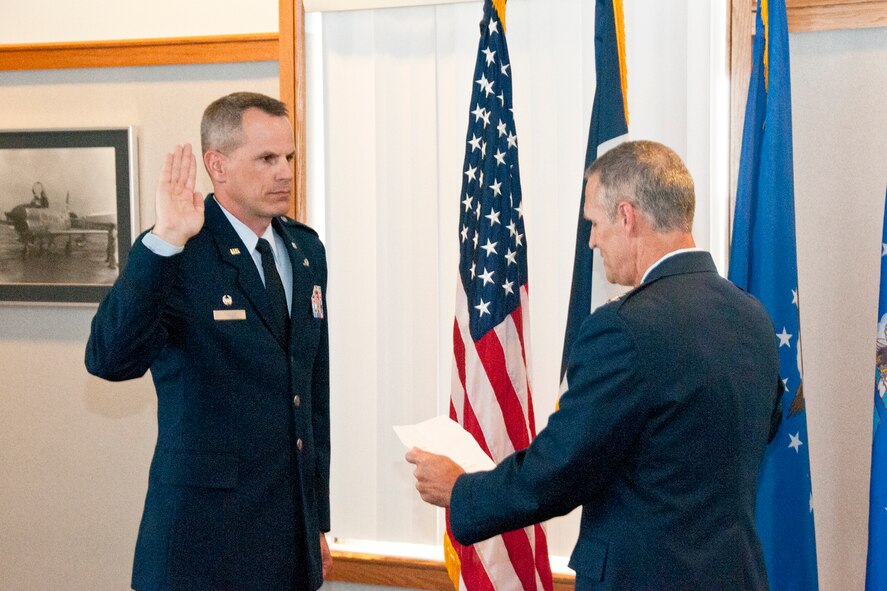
(575, 456)
(131, 325)
(320, 392)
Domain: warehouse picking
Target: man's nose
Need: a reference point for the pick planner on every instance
(285, 169)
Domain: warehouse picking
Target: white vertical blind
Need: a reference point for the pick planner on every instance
(396, 91)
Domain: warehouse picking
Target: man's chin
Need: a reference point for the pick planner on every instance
(280, 203)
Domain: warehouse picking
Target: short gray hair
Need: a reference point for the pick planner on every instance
(650, 176)
(220, 128)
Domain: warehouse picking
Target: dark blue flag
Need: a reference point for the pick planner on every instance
(608, 120)
(763, 261)
(875, 571)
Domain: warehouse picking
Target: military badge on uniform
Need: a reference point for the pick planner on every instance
(227, 300)
(317, 302)
(234, 251)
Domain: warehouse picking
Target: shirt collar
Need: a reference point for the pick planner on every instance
(668, 256)
(247, 236)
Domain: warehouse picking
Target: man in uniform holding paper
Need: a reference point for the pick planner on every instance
(674, 393)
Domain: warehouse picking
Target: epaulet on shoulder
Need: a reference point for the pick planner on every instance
(296, 225)
(623, 297)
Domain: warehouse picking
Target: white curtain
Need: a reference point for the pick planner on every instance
(393, 89)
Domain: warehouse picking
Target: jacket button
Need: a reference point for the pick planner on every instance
(299, 444)
(297, 401)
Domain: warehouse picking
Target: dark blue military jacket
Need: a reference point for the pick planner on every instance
(238, 490)
(673, 395)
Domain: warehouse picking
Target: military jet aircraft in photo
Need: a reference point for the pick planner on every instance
(39, 227)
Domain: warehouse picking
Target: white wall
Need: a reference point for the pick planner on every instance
(45, 21)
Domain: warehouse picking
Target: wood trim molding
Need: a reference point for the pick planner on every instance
(140, 52)
(293, 93)
(823, 15)
(372, 569)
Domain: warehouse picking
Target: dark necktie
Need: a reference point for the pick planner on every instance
(276, 294)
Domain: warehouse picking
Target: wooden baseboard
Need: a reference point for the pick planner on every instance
(372, 569)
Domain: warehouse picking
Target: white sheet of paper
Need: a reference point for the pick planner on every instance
(444, 436)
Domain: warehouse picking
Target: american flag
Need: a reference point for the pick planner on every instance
(490, 394)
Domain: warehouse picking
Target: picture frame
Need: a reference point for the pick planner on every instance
(68, 213)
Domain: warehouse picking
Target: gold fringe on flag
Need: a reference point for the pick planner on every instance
(619, 15)
(499, 5)
(451, 561)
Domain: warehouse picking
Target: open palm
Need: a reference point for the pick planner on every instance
(178, 206)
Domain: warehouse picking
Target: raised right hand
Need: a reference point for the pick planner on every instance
(178, 207)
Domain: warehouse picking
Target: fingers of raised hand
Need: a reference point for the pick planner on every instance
(179, 170)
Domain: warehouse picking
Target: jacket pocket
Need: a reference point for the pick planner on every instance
(589, 558)
(200, 469)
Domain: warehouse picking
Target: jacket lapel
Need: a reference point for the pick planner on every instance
(233, 252)
(303, 275)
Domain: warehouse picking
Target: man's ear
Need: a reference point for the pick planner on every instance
(626, 215)
(215, 165)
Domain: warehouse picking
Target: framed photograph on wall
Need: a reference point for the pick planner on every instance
(68, 211)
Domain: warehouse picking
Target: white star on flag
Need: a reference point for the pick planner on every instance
(483, 307)
(471, 173)
(511, 257)
(784, 338)
(502, 128)
(796, 442)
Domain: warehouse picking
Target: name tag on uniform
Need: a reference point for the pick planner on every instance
(229, 314)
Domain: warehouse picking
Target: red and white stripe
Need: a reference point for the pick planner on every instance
(491, 398)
